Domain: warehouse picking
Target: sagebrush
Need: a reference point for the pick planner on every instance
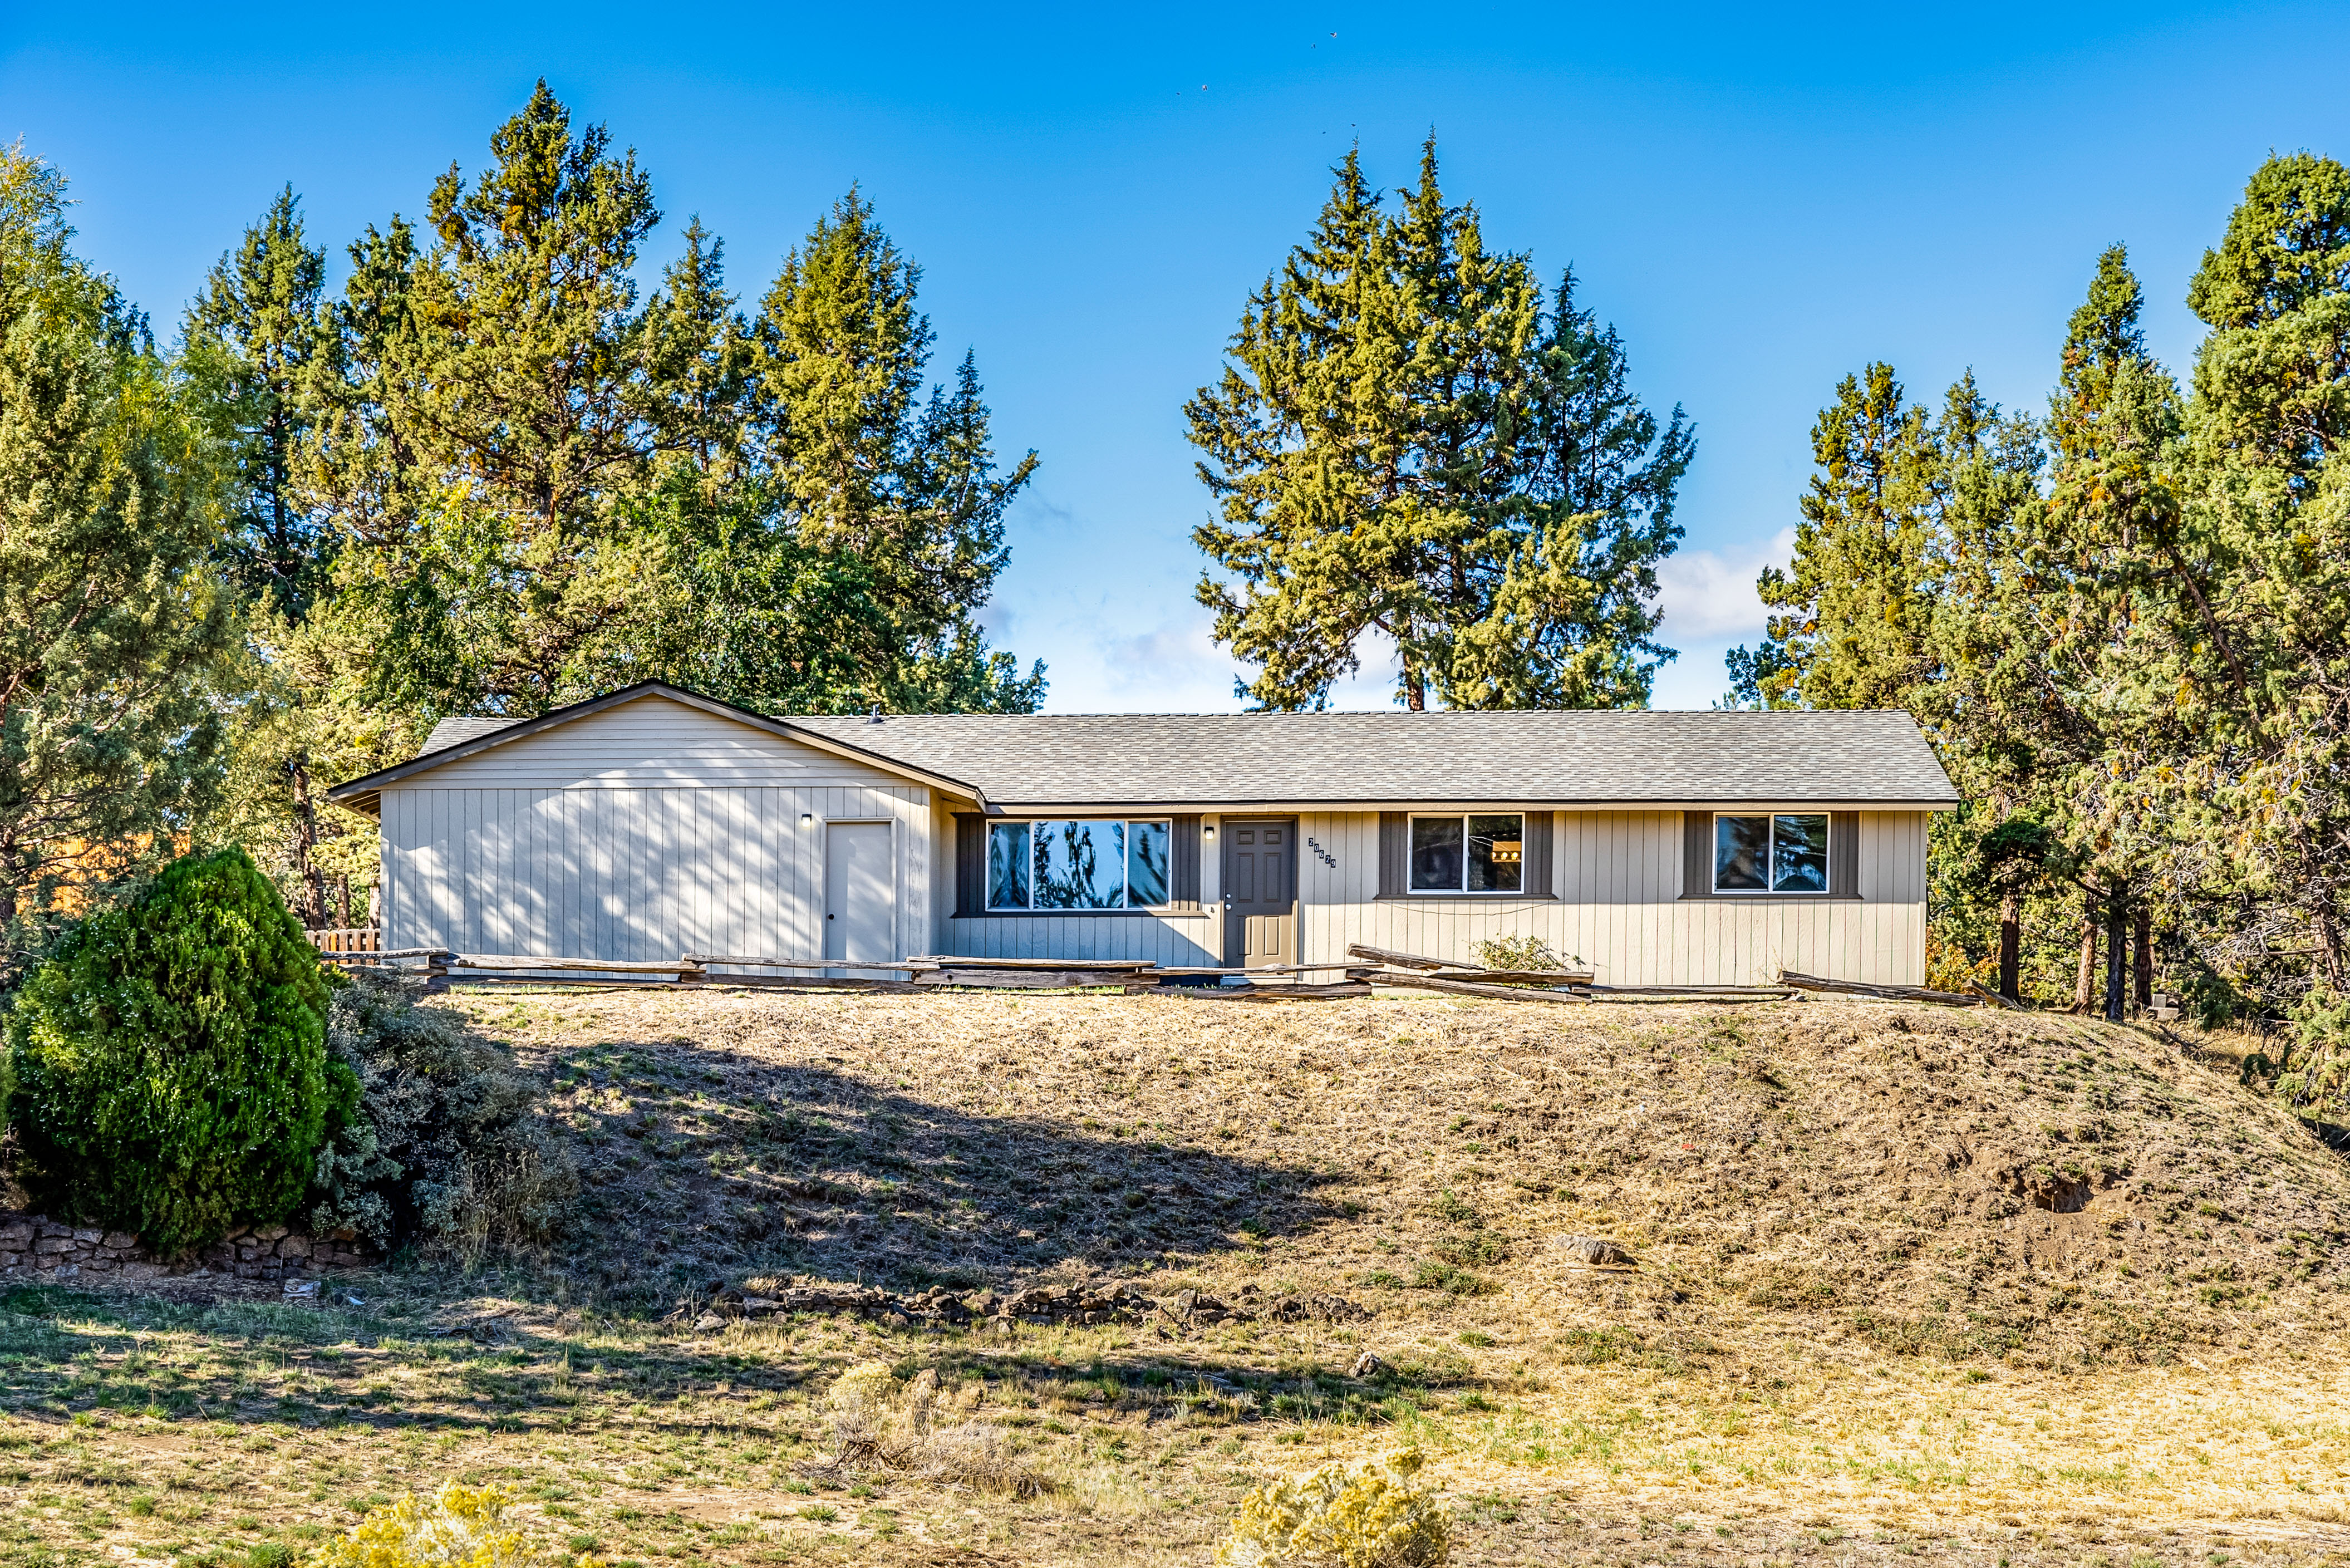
(878, 1422)
(443, 1146)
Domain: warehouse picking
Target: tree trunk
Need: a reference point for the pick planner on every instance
(1415, 689)
(2085, 984)
(2010, 945)
(2116, 951)
(306, 839)
(2143, 947)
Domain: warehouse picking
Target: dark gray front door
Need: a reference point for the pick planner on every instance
(1260, 891)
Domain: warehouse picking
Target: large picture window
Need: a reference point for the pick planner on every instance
(1786, 852)
(1077, 865)
(1476, 852)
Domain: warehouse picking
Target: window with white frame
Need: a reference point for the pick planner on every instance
(1476, 852)
(1077, 865)
(1784, 852)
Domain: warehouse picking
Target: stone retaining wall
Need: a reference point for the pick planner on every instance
(37, 1247)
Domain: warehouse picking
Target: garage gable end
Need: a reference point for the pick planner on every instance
(654, 742)
(646, 736)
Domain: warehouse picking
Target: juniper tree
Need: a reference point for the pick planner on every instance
(552, 487)
(1406, 443)
(1895, 597)
(2260, 554)
(1851, 612)
(2086, 611)
(111, 621)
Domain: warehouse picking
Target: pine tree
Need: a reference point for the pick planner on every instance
(250, 340)
(1897, 596)
(892, 502)
(1406, 443)
(2084, 613)
(1306, 446)
(699, 349)
(112, 622)
(1853, 610)
(496, 400)
(1572, 624)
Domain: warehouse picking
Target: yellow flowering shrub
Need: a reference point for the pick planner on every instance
(1358, 1516)
(458, 1527)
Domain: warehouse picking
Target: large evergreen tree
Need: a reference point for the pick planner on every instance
(1852, 613)
(112, 622)
(553, 488)
(249, 342)
(1406, 443)
(875, 497)
(2084, 610)
(2260, 559)
(496, 404)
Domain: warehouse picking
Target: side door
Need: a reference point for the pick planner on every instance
(860, 892)
(1259, 877)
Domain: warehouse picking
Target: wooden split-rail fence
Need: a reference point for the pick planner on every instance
(1366, 968)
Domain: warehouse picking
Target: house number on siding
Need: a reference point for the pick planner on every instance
(1323, 855)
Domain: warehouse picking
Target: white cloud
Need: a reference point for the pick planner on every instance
(1172, 667)
(1710, 594)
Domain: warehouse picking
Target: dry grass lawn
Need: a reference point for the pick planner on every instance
(1911, 1284)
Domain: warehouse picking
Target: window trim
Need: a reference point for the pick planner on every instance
(1827, 889)
(1463, 890)
(989, 910)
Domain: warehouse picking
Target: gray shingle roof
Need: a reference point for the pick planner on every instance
(1212, 760)
(451, 732)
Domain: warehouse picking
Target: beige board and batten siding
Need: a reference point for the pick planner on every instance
(1185, 940)
(643, 832)
(1618, 906)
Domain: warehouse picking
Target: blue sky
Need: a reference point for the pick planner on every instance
(1761, 200)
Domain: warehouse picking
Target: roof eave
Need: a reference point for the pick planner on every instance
(1483, 802)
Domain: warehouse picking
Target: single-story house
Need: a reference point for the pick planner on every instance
(1659, 848)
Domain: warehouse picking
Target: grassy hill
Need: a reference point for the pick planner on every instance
(1908, 1283)
(2039, 1189)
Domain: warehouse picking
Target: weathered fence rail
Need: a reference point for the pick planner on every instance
(932, 974)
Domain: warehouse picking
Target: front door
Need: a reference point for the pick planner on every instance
(860, 892)
(1260, 892)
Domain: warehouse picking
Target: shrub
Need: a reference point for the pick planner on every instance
(1521, 952)
(170, 1061)
(1432, 1275)
(2316, 1081)
(879, 1423)
(458, 1527)
(442, 1145)
(1361, 1516)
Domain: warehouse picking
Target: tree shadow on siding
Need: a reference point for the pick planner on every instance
(701, 1163)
